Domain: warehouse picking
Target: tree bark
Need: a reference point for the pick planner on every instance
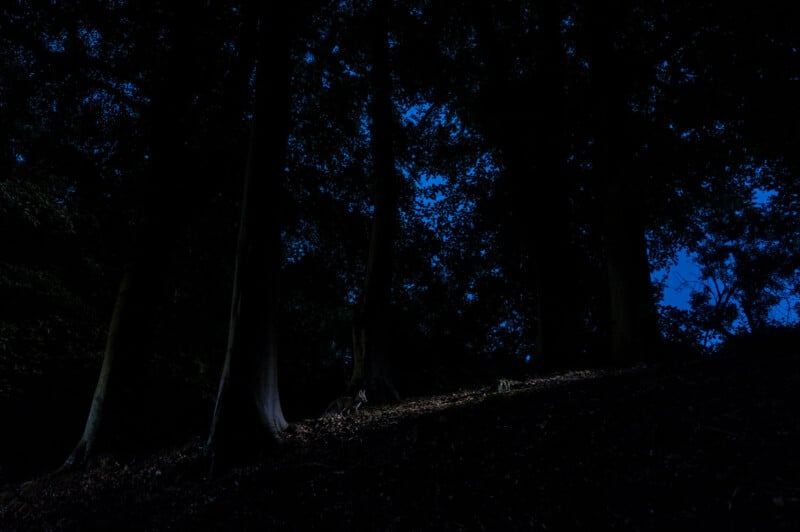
(162, 203)
(115, 342)
(634, 334)
(248, 416)
(371, 321)
(633, 317)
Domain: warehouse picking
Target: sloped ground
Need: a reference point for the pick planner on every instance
(711, 445)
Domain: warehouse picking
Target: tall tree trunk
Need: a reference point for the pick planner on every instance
(526, 121)
(248, 415)
(555, 258)
(634, 327)
(371, 323)
(162, 208)
(633, 317)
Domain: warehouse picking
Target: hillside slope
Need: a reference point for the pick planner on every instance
(700, 446)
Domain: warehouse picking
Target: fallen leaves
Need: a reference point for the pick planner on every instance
(703, 446)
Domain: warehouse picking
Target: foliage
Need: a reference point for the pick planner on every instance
(705, 133)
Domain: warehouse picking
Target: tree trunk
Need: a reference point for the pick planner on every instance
(371, 321)
(525, 119)
(555, 272)
(633, 316)
(634, 333)
(115, 342)
(162, 201)
(248, 415)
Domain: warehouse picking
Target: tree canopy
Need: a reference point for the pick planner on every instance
(453, 190)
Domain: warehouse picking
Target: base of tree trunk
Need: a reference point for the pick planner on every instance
(77, 459)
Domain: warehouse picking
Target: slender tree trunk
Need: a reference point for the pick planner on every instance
(634, 328)
(371, 324)
(248, 415)
(115, 341)
(162, 208)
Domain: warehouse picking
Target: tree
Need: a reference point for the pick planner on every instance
(132, 319)
(727, 98)
(633, 318)
(248, 415)
(371, 322)
(523, 113)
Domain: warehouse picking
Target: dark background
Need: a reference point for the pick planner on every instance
(528, 156)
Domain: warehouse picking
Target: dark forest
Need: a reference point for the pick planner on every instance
(385, 265)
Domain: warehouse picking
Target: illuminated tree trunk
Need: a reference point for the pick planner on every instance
(371, 327)
(162, 203)
(116, 342)
(247, 415)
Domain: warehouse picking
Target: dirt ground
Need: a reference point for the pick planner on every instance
(704, 445)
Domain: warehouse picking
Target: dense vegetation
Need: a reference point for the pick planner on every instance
(210, 198)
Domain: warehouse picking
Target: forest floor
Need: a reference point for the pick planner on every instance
(703, 445)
